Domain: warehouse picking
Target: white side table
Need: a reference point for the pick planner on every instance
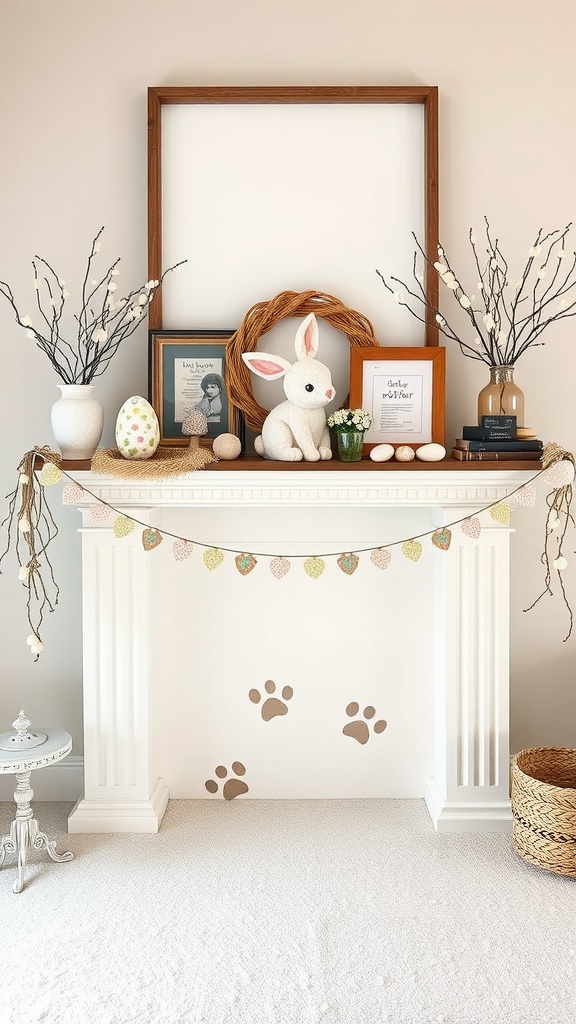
(24, 830)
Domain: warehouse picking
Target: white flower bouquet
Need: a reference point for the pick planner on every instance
(348, 421)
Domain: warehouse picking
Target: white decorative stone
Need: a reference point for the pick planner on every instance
(227, 446)
(430, 452)
(405, 453)
(137, 429)
(382, 453)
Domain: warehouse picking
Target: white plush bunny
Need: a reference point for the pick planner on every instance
(296, 429)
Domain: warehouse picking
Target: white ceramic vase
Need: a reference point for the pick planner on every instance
(77, 421)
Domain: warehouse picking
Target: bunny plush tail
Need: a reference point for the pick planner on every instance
(258, 445)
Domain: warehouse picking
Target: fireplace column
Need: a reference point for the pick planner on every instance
(470, 787)
(123, 792)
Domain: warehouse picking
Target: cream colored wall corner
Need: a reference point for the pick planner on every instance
(73, 80)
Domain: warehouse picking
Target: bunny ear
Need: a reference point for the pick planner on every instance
(306, 340)
(265, 365)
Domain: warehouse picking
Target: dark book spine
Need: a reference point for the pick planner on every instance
(489, 433)
(488, 446)
(494, 456)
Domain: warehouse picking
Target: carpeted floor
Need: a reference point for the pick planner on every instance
(285, 912)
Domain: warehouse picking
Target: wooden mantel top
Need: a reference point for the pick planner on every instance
(251, 463)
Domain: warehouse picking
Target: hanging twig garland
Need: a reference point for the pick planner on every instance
(558, 466)
(30, 520)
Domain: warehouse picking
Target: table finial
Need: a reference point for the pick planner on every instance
(23, 738)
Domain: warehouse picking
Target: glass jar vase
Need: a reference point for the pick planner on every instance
(501, 397)
(350, 445)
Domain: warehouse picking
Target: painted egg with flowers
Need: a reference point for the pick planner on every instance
(137, 429)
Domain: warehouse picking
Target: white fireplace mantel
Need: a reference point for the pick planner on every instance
(469, 788)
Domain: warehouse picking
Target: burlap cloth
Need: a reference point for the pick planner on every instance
(165, 462)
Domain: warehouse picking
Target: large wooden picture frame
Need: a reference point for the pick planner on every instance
(215, 235)
(404, 391)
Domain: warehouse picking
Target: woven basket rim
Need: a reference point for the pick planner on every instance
(517, 768)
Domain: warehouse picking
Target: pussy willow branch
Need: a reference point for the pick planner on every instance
(88, 356)
(513, 329)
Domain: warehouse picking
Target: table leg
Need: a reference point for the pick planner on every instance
(24, 832)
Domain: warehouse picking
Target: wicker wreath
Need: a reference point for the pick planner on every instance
(262, 318)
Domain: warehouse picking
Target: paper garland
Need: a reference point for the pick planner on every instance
(559, 474)
(50, 474)
(279, 565)
(30, 521)
(412, 549)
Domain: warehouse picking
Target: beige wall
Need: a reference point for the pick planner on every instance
(73, 80)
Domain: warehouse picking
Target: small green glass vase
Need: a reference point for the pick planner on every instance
(350, 445)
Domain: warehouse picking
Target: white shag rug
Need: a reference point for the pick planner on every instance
(285, 912)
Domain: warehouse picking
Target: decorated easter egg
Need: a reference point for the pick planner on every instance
(137, 429)
(430, 452)
(404, 453)
(381, 452)
(227, 446)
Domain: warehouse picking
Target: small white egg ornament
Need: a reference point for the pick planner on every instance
(382, 453)
(430, 452)
(227, 446)
(137, 429)
(404, 453)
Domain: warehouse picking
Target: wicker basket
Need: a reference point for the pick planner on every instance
(544, 807)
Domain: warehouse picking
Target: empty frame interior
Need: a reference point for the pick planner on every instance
(262, 190)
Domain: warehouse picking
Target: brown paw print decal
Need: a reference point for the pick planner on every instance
(272, 706)
(232, 787)
(358, 729)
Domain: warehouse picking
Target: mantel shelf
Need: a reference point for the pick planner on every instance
(253, 463)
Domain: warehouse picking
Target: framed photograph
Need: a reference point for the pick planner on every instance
(187, 370)
(240, 224)
(404, 391)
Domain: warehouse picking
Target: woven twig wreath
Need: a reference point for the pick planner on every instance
(262, 318)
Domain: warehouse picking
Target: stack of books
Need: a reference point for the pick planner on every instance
(497, 438)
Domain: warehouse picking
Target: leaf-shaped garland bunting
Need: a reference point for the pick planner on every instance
(348, 563)
(72, 494)
(472, 527)
(314, 567)
(245, 563)
(501, 513)
(182, 549)
(50, 474)
(442, 538)
(412, 549)
(99, 512)
(279, 567)
(381, 558)
(123, 526)
(526, 496)
(213, 558)
(30, 523)
(151, 538)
